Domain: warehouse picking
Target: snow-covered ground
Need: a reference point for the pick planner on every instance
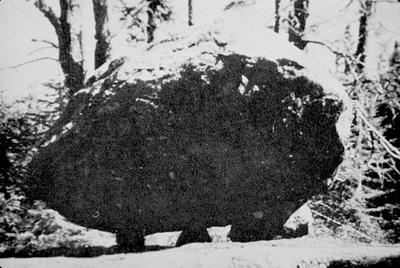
(285, 253)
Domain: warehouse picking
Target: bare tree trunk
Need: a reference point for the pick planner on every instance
(103, 34)
(363, 34)
(395, 57)
(4, 168)
(67, 28)
(298, 23)
(70, 45)
(190, 12)
(348, 40)
(277, 16)
(151, 24)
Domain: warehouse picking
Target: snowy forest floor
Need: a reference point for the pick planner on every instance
(297, 253)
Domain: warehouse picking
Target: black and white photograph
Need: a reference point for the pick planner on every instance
(199, 133)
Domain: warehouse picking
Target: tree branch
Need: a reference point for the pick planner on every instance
(338, 53)
(392, 150)
(38, 49)
(45, 41)
(134, 12)
(341, 224)
(48, 12)
(28, 62)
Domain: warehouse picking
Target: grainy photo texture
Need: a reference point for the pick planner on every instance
(200, 133)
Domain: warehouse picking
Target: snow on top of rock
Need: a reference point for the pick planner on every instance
(241, 30)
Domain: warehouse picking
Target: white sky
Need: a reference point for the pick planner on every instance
(20, 22)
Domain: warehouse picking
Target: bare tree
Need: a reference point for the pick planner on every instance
(151, 24)
(190, 12)
(297, 23)
(277, 16)
(73, 60)
(103, 34)
(155, 10)
(395, 57)
(366, 11)
(69, 40)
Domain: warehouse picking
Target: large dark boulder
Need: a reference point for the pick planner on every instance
(207, 130)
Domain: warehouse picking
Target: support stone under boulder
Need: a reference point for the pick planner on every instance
(205, 130)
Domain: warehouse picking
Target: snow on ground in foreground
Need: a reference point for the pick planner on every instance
(301, 252)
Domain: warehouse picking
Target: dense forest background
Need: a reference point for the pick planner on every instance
(354, 39)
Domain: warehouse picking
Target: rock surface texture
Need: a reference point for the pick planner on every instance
(226, 125)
